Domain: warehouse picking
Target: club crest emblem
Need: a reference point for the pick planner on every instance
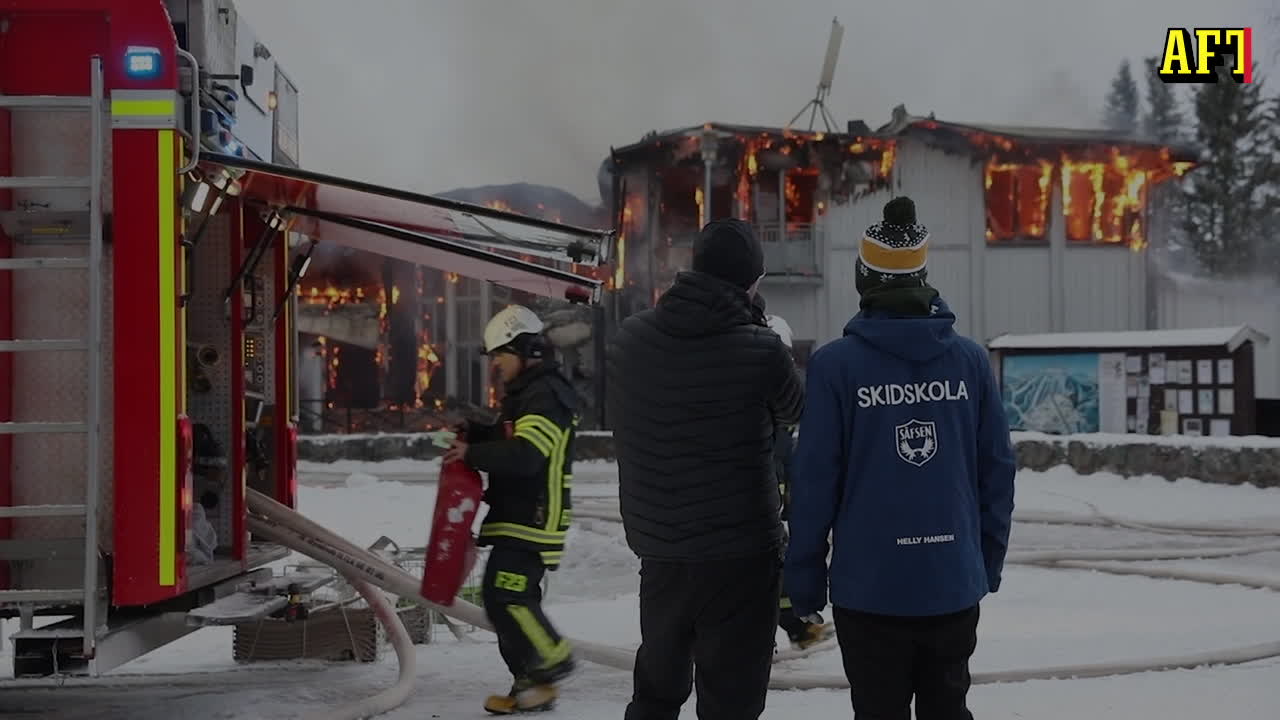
(916, 441)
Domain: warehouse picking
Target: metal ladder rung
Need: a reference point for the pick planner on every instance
(41, 548)
(43, 263)
(42, 596)
(19, 511)
(42, 345)
(46, 225)
(45, 102)
(33, 182)
(50, 428)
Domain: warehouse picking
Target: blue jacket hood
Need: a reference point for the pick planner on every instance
(913, 338)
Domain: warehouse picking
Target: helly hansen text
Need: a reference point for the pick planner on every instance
(912, 393)
(925, 539)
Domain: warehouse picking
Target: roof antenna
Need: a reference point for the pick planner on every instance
(818, 103)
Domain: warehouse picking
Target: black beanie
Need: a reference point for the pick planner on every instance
(729, 249)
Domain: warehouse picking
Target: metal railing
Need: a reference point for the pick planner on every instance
(347, 420)
(793, 250)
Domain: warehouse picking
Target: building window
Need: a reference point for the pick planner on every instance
(1017, 200)
(1102, 202)
(801, 195)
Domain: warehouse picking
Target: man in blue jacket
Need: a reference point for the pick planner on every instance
(904, 456)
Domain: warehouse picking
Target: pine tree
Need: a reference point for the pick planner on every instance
(1121, 113)
(1232, 198)
(1162, 121)
(1269, 252)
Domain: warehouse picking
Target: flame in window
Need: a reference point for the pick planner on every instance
(1103, 202)
(1017, 199)
(428, 364)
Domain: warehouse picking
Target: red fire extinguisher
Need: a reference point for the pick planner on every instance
(451, 551)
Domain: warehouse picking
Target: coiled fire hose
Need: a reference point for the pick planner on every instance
(1108, 561)
(406, 656)
(281, 524)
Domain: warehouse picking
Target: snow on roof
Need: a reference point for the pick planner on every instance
(1229, 337)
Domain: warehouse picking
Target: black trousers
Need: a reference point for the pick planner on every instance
(512, 594)
(890, 659)
(706, 623)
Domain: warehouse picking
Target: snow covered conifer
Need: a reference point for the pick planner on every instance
(1236, 192)
(1162, 121)
(1121, 112)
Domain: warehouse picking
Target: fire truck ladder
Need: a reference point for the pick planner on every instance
(88, 596)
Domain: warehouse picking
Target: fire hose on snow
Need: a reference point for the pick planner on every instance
(281, 524)
(1107, 561)
(286, 526)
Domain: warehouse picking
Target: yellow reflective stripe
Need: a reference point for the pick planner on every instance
(537, 439)
(555, 482)
(167, 302)
(528, 426)
(551, 557)
(144, 108)
(540, 426)
(522, 532)
(548, 428)
(552, 653)
(784, 603)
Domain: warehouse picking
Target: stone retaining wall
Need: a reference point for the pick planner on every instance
(1230, 461)
(588, 445)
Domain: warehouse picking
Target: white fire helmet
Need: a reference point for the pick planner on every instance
(507, 324)
(780, 326)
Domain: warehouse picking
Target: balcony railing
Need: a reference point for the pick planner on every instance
(791, 251)
(790, 254)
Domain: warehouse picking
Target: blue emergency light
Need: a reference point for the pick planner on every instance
(142, 62)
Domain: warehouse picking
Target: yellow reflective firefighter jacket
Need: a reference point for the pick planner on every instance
(529, 459)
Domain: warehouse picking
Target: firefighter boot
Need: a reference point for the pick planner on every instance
(524, 697)
(812, 634)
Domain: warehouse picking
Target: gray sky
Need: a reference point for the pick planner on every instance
(436, 94)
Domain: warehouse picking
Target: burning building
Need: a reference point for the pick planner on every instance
(367, 344)
(389, 345)
(1032, 229)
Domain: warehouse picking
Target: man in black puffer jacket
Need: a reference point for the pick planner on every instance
(696, 387)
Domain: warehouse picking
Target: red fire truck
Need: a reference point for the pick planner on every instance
(153, 225)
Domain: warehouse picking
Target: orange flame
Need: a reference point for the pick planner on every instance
(428, 363)
(330, 295)
(886, 159)
(620, 265)
(1017, 199)
(748, 169)
(1104, 201)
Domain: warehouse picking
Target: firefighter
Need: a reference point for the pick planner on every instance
(802, 633)
(528, 457)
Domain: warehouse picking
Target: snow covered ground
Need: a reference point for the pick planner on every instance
(1041, 617)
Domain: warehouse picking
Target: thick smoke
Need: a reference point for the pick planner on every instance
(452, 93)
